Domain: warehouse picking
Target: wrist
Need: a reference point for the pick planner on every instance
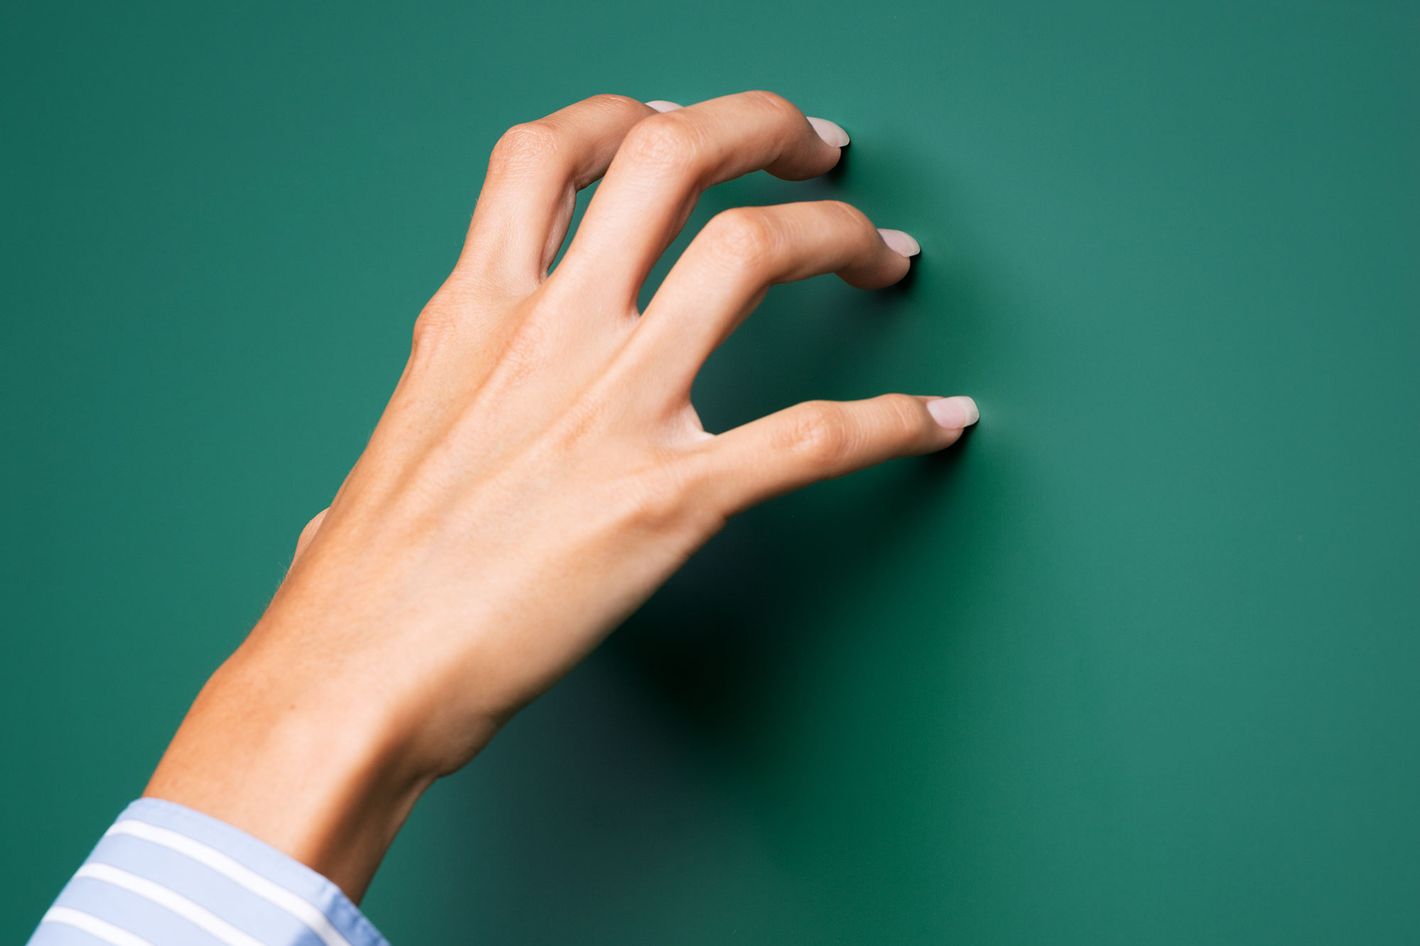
(318, 766)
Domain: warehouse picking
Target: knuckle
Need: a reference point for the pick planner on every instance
(850, 217)
(657, 499)
(615, 102)
(903, 411)
(819, 434)
(773, 102)
(529, 342)
(666, 141)
(743, 236)
(524, 147)
(431, 327)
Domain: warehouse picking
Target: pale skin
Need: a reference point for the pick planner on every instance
(539, 469)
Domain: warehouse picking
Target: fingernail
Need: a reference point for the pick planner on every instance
(828, 131)
(900, 242)
(953, 413)
(661, 105)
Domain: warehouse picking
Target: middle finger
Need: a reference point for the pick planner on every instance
(664, 164)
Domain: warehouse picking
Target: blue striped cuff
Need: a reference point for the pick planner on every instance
(165, 875)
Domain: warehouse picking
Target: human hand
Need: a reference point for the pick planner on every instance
(539, 469)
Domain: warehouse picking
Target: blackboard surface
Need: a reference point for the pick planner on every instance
(1137, 663)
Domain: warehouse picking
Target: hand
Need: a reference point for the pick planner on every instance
(539, 469)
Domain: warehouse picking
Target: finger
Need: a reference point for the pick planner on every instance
(818, 440)
(530, 189)
(740, 253)
(665, 163)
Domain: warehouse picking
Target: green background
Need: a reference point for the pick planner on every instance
(1137, 663)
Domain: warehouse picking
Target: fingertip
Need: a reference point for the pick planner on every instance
(954, 413)
(831, 132)
(900, 242)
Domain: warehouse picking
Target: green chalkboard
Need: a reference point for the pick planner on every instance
(1138, 662)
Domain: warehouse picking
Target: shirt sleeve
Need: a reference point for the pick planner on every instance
(166, 875)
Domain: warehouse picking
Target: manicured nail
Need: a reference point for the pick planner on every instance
(661, 105)
(900, 242)
(828, 131)
(953, 413)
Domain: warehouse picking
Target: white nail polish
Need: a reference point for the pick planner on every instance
(830, 132)
(954, 413)
(900, 242)
(661, 105)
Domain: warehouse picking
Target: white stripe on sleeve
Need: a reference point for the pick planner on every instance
(100, 929)
(238, 873)
(197, 915)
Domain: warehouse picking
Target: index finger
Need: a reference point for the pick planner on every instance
(667, 160)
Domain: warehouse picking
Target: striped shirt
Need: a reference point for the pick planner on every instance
(166, 875)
